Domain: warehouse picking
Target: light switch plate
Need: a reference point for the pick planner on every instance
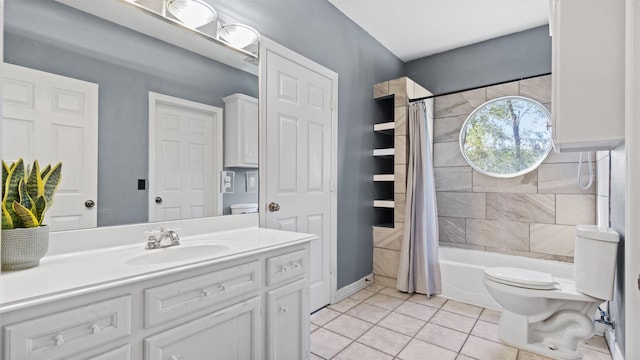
(227, 181)
(251, 178)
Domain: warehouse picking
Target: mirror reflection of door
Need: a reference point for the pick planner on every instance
(53, 119)
(185, 156)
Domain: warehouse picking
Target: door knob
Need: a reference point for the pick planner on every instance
(274, 207)
(158, 200)
(89, 203)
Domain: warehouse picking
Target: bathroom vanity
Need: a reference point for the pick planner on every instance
(236, 294)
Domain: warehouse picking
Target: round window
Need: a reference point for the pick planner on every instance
(506, 137)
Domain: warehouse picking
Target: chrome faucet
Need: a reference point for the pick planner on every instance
(154, 241)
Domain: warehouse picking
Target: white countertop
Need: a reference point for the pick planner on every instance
(64, 275)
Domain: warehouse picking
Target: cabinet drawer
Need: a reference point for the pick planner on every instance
(285, 267)
(121, 353)
(60, 335)
(231, 333)
(171, 301)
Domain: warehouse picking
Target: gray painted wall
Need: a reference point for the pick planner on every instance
(617, 222)
(126, 65)
(317, 30)
(505, 58)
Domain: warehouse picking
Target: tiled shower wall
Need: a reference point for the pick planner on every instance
(532, 215)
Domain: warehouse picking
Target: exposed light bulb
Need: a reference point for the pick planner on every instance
(193, 13)
(238, 35)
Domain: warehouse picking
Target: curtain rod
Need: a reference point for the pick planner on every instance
(477, 87)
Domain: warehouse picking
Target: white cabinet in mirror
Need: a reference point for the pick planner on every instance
(241, 131)
(57, 40)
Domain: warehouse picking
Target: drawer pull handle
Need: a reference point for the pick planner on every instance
(95, 328)
(284, 309)
(59, 339)
(204, 293)
(224, 287)
(287, 268)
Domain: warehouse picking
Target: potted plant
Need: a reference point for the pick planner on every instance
(27, 194)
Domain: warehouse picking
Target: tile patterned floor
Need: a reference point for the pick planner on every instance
(381, 323)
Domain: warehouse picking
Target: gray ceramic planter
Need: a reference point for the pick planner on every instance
(23, 248)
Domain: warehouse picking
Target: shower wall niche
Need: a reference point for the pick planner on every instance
(390, 172)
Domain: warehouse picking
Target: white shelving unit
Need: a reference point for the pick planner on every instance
(384, 127)
(389, 204)
(384, 152)
(384, 177)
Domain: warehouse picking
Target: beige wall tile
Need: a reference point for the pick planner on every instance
(385, 281)
(400, 203)
(462, 103)
(400, 146)
(385, 262)
(400, 178)
(453, 178)
(538, 89)
(400, 118)
(451, 229)
(575, 209)
(498, 234)
(465, 205)
(496, 91)
(525, 184)
(380, 89)
(420, 92)
(552, 239)
(521, 253)
(561, 179)
(398, 87)
(462, 246)
(448, 154)
(388, 238)
(522, 207)
(447, 129)
(566, 157)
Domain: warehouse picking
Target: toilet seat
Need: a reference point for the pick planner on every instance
(523, 278)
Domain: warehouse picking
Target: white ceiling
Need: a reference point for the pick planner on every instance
(412, 29)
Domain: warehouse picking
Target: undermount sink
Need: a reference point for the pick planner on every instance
(175, 253)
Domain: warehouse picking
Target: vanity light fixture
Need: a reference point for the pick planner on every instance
(193, 13)
(238, 35)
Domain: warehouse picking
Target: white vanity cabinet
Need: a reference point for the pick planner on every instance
(240, 131)
(247, 308)
(587, 74)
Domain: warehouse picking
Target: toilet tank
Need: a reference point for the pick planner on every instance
(595, 260)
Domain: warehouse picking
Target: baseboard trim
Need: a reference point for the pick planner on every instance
(346, 291)
(614, 348)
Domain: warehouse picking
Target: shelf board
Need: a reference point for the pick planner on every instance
(386, 127)
(383, 204)
(384, 152)
(384, 177)
(384, 225)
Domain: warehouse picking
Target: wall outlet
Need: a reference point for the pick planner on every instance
(227, 181)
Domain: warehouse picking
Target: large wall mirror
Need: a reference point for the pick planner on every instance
(101, 87)
(506, 137)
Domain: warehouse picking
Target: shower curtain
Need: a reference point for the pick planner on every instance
(419, 270)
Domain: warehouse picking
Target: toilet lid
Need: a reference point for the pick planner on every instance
(530, 279)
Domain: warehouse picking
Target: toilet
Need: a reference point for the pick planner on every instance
(553, 316)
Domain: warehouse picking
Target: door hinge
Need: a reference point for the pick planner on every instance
(332, 186)
(333, 104)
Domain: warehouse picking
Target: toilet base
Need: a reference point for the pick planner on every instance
(557, 336)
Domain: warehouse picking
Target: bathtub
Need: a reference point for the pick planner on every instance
(463, 271)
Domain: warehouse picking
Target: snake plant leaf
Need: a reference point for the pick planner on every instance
(51, 183)
(27, 217)
(45, 171)
(5, 174)
(25, 199)
(7, 222)
(10, 191)
(39, 208)
(35, 186)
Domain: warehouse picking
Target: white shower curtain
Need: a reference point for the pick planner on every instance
(419, 270)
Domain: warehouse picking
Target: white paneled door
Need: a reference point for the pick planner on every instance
(54, 119)
(298, 160)
(185, 158)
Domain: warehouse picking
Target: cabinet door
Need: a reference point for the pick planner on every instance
(288, 331)
(588, 74)
(229, 334)
(249, 133)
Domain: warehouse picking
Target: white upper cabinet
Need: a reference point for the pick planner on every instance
(588, 74)
(240, 131)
